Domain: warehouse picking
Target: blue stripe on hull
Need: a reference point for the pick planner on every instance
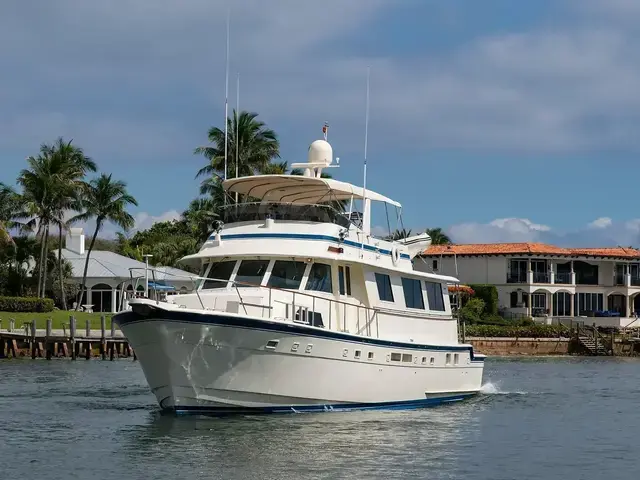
(160, 314)
(341, 407)
(303, 236)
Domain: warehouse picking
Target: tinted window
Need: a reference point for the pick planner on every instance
(384, 287)
(320, 278)
(221, 271)
(251, 272)
(344, 280)
(412, 293)
(434, 296)
(286, 274)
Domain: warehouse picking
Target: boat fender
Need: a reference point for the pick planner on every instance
(395, 255)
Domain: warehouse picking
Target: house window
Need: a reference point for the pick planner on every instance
(250, 272)
(286, 274)
(514, 299)
(434, 296)
(434, 265)
(384, 287)
(221, 272)
(320, 278)
(344, 280)
(412, 293)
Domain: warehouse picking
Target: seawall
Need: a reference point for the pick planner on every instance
(502, 346)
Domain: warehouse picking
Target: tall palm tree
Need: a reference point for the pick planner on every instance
(201, 216)
(256, 147)
(104, 200)
(438, 237)
(69, 192)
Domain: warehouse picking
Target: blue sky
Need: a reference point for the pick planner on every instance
(496, 120)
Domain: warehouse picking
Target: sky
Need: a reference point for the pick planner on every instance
(495, 120)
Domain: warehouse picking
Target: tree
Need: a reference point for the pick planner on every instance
(201, 216)
(11, 212)
(68, 194)
(438, 237)
(255, 144)
(400, 234)
(104, 200)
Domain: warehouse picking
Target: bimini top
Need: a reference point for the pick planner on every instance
(299, 189)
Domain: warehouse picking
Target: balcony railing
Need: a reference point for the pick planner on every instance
(520, 277)
(635, 281)
(563, 277)
(619, 279)
(541, 277)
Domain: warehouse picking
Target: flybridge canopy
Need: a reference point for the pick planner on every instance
(300, 189)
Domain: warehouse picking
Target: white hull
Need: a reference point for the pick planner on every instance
(214, 362)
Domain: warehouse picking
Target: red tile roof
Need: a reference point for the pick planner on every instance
(529, 249)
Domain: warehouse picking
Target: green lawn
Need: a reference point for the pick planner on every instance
(58, 316)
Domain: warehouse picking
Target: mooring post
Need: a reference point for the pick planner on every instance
(12, 324)
(34, 345)
(48, 345)
(595, 336)
(103, 337)
(72, 336)
(87, 328)
(113, 328)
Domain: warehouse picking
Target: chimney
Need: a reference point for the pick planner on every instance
(75, 240)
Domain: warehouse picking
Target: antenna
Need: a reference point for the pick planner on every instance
(226, 97)
(365, 210)
(325, 130)
(237, 146)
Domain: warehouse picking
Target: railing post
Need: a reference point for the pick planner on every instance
(330, 312)
(12, 324)
(270, 304)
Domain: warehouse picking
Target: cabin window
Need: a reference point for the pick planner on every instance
(434, 296)
(424, 360)
(396, 357)
(250, 272)
(456, 358)
(412, 293)
(357, 354)
(448, 359)
(320, 278)
(370, 355)
(384, 287)
(344, 280)
(407, 357)
(221, 272)
(286, 274)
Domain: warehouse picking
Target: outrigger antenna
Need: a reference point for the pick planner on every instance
(325, 130)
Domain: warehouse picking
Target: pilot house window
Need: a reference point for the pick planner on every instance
(250, 272)
(344, 280)
(286, 274)
(221, 272)
(412, 293)
(320, 278)
(434, 296)
(384, 287)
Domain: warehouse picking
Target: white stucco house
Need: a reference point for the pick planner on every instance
(540, 280)
(111, 278)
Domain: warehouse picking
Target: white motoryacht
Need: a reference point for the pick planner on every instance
(298, 307)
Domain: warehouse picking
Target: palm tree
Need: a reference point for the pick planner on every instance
(438, 237)
(10, 213)
(400, 234)
(256, 147)
(69, 191)
(201, 216)
(104, 200)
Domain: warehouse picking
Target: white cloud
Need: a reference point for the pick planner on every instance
(601, 232)
(602, 222)
(143, 221)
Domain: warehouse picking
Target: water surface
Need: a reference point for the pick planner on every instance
(553, 418)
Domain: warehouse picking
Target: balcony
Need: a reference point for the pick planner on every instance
(519, 277)
(635, 281)
(563, 278)
(541, 277)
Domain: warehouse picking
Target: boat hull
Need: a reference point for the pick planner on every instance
(213, 363)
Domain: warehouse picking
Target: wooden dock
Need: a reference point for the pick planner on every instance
(28, 341)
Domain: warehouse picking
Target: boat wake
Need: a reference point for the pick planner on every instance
(491, 388)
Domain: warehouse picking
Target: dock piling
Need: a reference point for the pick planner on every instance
(34, 343)
(72, 336)
(103, 337)
(47, 344)
(12, 324)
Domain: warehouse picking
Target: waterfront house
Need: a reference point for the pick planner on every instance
(112, 278)
(541, 280)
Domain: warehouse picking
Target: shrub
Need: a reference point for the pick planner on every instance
(489, 295)
(493, 320)
(532, 331)
(472, 311)
(25, 304)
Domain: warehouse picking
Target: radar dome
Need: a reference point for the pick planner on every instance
(320, 152)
